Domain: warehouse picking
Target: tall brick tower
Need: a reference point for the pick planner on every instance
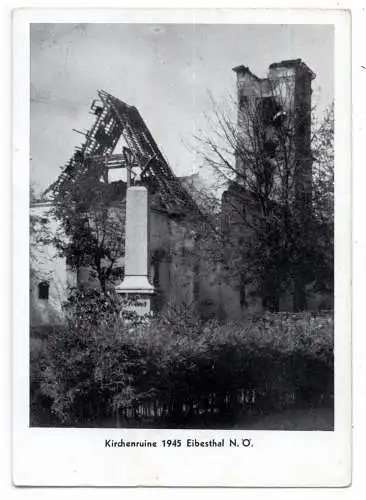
(284, 95)
(268, 107)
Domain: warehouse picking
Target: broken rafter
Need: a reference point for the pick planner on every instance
(115, 118)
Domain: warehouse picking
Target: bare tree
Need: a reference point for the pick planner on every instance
(276, 203)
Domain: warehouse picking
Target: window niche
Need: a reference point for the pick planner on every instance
(43, 290)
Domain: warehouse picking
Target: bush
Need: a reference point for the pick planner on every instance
(176, 367)
(40, 403)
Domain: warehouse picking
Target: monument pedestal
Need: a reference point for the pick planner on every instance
(136, 293)
(136, 290)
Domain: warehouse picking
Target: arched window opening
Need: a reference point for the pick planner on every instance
(43, 290)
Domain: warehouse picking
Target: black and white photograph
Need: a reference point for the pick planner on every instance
(182, 231)
(182, 256)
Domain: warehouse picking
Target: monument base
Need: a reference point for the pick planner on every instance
(136, 293)
(135, 284)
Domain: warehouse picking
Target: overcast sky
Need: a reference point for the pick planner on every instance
(166, 71)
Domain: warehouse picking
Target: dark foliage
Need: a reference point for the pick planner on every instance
(178, 371)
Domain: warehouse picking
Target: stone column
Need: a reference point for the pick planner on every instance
(135, 286)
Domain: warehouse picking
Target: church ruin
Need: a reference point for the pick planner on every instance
(119, 141)
(274, 161)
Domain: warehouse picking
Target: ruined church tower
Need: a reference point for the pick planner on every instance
(283, 97)
(282, 100)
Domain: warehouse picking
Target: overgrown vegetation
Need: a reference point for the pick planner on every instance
(178, 370)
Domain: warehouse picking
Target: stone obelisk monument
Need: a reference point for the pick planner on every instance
(135, 287)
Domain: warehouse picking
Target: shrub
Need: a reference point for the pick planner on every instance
(40, 403)
(176, 367)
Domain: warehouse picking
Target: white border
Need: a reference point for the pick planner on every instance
(77, 457)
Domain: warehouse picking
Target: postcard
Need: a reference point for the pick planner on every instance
(182, 259)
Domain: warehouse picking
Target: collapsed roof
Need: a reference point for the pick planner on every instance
(115, 118)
